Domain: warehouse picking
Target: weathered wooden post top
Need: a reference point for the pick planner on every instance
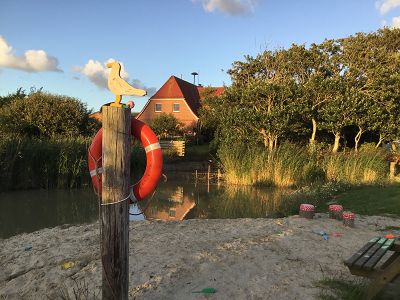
(109, 166)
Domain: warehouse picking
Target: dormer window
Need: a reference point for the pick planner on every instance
(176, 107)
(158, 107)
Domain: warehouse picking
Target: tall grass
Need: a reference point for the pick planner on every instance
(292, 165)
(32, 163)
(287, 166)
(26, 163)
(367, 166)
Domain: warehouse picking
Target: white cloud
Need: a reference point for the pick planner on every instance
(97, 73)
(396, 22)
(230, 7)
(31, 61)
(385, 6)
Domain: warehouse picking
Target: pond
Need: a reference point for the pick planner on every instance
(28, 211)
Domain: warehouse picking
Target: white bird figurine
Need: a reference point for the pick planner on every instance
(119, 86)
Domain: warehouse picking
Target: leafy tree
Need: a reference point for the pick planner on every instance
(167, 125)
(18, 95)
(339, 83)
(372, 71)
(46, 116)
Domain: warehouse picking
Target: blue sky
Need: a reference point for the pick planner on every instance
(62, 45)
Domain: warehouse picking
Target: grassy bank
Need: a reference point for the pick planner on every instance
(361, 199)
(372, 200)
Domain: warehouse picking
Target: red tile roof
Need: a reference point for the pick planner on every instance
(175, 87)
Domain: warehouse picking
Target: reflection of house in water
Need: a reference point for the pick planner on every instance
(172, 206)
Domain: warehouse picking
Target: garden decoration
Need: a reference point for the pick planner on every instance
(119, 86)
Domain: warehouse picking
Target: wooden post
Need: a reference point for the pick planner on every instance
(114, 203)
(218, 175)
(208, 178)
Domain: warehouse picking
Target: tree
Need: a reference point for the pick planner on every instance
(46, 116)
(18, 95)
(167, 125)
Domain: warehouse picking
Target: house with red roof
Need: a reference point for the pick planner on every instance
(178, 97)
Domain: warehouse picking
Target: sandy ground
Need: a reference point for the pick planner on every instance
(240, 258)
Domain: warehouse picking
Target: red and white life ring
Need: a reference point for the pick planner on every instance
(148, 183)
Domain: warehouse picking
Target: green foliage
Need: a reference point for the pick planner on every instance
(45, 116)
(278, 94)
(166, 125)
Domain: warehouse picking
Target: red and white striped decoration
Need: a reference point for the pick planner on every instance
(335, 207)
(349, 215)
(307, 207)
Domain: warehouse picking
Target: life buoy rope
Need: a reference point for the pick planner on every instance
(147, 184)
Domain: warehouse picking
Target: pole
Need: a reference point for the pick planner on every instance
(114, 202)
(208, 178)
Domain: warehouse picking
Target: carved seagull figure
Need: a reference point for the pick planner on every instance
(119, 86)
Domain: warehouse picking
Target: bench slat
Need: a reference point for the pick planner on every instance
(359, 263)
(361, 252)
(370, 264)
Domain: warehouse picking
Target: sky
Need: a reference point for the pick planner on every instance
(63, 46)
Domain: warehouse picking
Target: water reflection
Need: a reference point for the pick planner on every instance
(176, 201)
(171, 204)
(27, 211)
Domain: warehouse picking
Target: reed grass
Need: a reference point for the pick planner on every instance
(292, 166)
(368, 166)
(62, 163)
(287, 166)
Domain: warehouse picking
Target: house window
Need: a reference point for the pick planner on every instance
(176, 107)
(172, 213)
(157, 107)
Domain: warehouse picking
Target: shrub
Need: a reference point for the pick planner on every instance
(166, 125)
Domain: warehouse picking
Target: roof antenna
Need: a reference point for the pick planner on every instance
(194, 77)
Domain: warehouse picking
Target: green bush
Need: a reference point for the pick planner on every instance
(166, 125)
(45, 116)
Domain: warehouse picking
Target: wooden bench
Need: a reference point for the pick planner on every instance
(365, 263)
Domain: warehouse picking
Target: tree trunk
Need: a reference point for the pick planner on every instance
(393, 172)
(314, 131)
(336, 144)
(271, 144)
(380, 141)
(357, 138)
